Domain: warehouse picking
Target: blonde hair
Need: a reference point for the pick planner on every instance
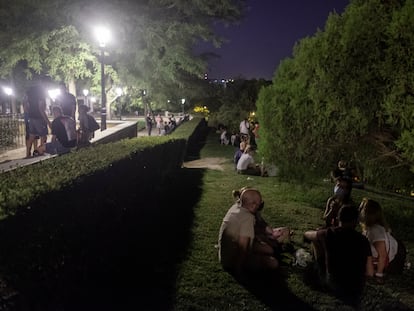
(371, 214)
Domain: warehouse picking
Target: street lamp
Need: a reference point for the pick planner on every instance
(85, 99)
(102, 35)
(182, 104)
(53, 94)
(9, 92)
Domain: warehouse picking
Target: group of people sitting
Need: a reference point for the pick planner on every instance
(344, 257)
(65, 136)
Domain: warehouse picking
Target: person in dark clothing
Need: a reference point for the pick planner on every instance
(341, 197)
(35, 110)
(66, 101)
(343, 256)
(148, 121)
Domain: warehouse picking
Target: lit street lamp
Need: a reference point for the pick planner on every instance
(102, 34)
(9, 92)
(85, 99)
(182, 104)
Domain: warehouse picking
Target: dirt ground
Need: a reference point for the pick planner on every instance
(210, 163)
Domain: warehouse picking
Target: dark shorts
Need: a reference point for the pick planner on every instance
(37, 127)
(55, 147)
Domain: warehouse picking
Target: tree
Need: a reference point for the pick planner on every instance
(153, 39)
(346, 93)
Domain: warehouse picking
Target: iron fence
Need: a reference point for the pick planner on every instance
(12, 131)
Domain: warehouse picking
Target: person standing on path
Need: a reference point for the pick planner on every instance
(148, 121)
(66, 101)
(35, 106)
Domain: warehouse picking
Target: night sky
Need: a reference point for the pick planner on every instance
(267, 35)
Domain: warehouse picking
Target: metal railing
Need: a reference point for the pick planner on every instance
(12, 131)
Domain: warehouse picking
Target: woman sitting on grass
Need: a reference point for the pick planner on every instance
(388, 255)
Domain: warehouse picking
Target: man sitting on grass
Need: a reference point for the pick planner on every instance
(238, 251)
(343, 256)
(64, 136)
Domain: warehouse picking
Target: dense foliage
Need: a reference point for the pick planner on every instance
(347, 92)
(234, 101)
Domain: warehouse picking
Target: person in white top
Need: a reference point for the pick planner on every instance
(246, 164)
(384, 247)
(244, 127)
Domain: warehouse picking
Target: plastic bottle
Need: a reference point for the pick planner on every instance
(302, 257)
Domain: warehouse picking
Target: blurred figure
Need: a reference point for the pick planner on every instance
(87, 126)
(341, 197)
(244, 128)
(67, 101)
(159, 123)
(64, 136)
(35, 107)
(148, 121)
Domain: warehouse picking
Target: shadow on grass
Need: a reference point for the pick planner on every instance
(272, 290)
(110, 243)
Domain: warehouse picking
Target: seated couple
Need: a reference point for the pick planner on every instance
(246, 164)
(64, 136)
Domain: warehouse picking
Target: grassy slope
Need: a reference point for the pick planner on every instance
(203, 285)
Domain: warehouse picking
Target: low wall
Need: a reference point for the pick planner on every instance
(128, 129)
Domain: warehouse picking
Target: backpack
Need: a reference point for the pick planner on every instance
(92, 124)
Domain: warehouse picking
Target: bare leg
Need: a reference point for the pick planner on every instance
(29, 142)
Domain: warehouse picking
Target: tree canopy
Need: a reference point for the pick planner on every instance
(151, 48)
(347, 92)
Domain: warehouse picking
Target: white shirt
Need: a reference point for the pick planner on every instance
(244, 127)
(378, 233)
(244, 162)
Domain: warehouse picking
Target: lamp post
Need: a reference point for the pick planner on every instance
(102, 34)
(182, 104)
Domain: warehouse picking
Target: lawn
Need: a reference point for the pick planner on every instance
(203, 285)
